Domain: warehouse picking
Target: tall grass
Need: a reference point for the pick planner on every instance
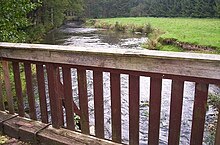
(205, 32)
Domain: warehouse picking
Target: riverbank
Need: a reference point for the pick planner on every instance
(197, 33)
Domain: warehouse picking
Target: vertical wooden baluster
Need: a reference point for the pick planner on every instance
(55, 99)
(83, 100)
(18, 88)
(217, 135)
(60, 92)
(67, 85)
(42, 93)
(175, 112)
(199, 112)
(8, 86)
(134, 97)
(116, 107)
(154, 111)
(98, 102)
(30, 93)
(2, 106)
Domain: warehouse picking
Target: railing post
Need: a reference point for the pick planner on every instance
(30, 91)
(175, 112)
(98, 103)
(154, 111)
(55, 99)
(67, 86)
(116, 107)
(2, 106)
(83, 100)
(18, 88)
(8, 86)
(217, 136)
(199, 111)
(134, 98)
(42, 92)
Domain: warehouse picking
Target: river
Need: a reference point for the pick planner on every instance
(74, 34)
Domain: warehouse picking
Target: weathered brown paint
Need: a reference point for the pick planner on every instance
(134, 97)
(136, 60)
(2, 106)
(83, 100)
(42, 93)
(8, 86)
(116, 107)
(217, 135)
(175, 112)
(30, 91)
(154, 111)
(55, 100)
(18, 88)
(98, 103)
(60, 92)
(199, 111)
(67, 85)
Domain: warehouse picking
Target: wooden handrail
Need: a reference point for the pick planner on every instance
(183, 64)
(51, 60)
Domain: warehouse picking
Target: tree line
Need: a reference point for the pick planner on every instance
(28, 20)
(153, 8)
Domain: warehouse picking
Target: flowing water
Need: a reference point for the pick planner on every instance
(75, 35)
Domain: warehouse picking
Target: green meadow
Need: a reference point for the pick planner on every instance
(204, 32)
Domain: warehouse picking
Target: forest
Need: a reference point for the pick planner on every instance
(28, 20)
(153, 8)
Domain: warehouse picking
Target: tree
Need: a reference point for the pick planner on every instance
(13, 19)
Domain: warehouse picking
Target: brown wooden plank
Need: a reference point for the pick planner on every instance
(98, 103)
(18, 88)
(42, 93)
(185, 64)
(2, 106)
(134, 97)
(55, 99)
(154, 111)
(60, 92)
(67, 85)
(199, 112)
(217, 135)
(8, 86)
(30, 91)
(83, 100)
(175, 112)
(116, 107)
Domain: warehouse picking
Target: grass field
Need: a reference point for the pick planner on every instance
(205, 32)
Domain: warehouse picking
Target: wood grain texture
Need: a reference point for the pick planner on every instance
(116, 106)
(98, 103)
(217, 135)
(2, 106)
(185, 64)
(55, 99)
(83, 100)
(154, 111)
(30, 91)
(199, 112)
(67, 86)
(18, 88)
(42, 93)
(8, 87)
(134, 98)
(175, 112)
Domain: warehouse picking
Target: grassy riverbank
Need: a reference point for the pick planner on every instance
(203, 32)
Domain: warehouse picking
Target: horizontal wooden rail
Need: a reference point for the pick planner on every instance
(183, 64)
(54, 67)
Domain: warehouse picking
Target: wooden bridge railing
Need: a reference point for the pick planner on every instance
(48, 61)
